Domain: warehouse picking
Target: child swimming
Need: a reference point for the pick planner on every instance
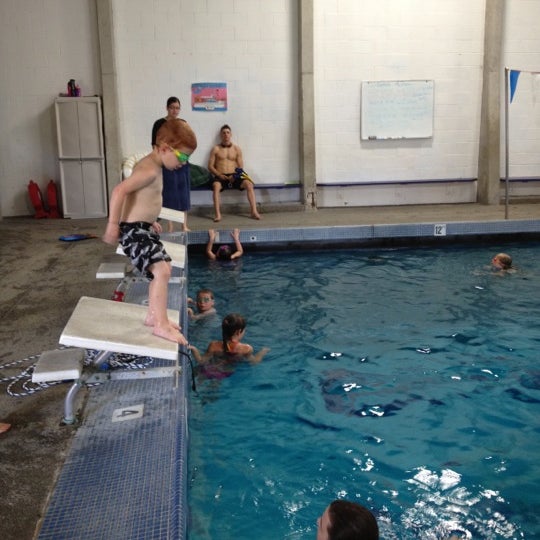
(221, 355)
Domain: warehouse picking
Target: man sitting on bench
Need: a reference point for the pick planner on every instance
(134, 208)
(226, 165)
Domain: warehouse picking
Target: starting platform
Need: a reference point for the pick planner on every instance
(172, 215)
(125, 475)
(106, 325)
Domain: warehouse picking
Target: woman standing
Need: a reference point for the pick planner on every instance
(177, 183)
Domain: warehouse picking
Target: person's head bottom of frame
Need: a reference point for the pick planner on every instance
(346, 520)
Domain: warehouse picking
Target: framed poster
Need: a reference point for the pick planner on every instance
(209, 96)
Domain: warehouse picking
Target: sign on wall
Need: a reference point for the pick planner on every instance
(209, 96)
(397, 110)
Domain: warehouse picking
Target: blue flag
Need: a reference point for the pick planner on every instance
(514, 75)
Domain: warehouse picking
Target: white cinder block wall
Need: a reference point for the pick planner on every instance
(42, 45)
(522, 52)
(252, 45)
(391, 40)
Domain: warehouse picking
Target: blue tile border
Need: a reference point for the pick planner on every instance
(361, 233)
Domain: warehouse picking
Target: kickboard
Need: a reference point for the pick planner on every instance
(76, 237)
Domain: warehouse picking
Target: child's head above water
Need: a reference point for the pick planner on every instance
(224, 253)
(232, 324)
(503, 261)
(205, 300)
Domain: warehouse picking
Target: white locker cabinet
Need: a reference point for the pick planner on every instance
(79, 128)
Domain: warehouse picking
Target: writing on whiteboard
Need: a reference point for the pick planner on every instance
(397, 109)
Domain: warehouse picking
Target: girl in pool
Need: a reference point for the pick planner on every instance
(221, 355)
(224, 252)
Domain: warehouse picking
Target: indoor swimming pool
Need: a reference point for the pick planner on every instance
(405, 379)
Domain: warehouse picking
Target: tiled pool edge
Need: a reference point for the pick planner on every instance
(433, 231)
(128, 478)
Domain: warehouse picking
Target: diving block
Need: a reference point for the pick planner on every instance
(106, 325)
(110, 270)
(177, 252)
(59, 365)
(172, 215)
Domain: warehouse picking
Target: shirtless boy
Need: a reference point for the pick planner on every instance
(225, 158)
(133, 211)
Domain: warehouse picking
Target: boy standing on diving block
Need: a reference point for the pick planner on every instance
(133, 211)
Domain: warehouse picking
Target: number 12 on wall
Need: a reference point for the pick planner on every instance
(439, 229)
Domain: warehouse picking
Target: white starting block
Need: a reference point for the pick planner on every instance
(111, 270)
(106, 325)
(62, 365)
(59, 365)
(177, 252)
(172, 215)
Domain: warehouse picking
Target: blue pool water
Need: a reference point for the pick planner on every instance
(405, 379)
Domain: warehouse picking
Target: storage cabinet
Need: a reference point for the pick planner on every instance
(83, 181)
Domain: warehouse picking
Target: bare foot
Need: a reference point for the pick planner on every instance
(149, 321)
(170, 333)
(255, 215)
(4, 427)
(217, 218)
(186, 229)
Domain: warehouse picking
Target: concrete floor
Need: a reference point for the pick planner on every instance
(441, 213)
(43, 279)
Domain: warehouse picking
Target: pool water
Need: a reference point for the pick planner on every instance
(404, 379)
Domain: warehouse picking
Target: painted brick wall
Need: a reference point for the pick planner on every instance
(42, 45)
(392, 40)
(250, 45)
(522, 52)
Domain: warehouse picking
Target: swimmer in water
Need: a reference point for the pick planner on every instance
(230, 349)
(204, 303)
(224, 252)
(502, 262)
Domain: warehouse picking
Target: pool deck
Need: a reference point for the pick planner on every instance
(370, 224)
(373, 215)
(131, 475)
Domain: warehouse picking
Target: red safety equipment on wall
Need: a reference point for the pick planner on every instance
(37, 200)
(52, 200)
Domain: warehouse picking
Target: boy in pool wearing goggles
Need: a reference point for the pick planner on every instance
(204, 303)
(133, 211)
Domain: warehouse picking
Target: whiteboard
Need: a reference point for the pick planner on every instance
(397, 110)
